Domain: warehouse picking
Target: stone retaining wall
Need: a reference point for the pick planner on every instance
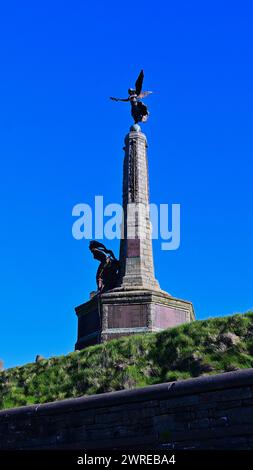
(212, 412)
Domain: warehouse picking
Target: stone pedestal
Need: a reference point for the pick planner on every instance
(89, 323)
(127, 311)
(138, 304)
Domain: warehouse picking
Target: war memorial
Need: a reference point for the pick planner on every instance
(129, 299)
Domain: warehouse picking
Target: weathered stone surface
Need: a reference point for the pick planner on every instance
(137, 310)
(124, 311)
(229, 339)
(136, 245)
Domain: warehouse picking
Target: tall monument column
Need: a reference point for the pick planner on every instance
(136, 256)
(130, 302)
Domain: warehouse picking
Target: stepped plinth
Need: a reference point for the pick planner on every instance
(137, 304)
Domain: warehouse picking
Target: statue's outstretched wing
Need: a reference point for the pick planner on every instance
(144, 93)
(138, 83)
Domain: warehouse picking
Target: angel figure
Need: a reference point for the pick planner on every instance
(139, 110)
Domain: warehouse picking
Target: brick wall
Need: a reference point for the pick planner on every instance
(213, 412)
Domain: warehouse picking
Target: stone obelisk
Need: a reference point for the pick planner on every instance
(136, 256)
(137, 304)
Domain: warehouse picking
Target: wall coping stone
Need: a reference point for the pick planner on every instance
(166, 391)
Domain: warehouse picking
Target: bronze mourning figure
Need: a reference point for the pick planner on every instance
(139, 110)
(108, 270)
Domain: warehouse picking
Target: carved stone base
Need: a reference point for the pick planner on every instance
(127, 311)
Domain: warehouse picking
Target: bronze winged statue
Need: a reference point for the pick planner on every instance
(139, 110)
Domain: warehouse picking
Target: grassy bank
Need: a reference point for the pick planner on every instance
(202, 347)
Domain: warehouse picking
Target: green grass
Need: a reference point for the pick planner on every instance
(199, 348)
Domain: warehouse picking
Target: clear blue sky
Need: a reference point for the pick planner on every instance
(61, 142)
